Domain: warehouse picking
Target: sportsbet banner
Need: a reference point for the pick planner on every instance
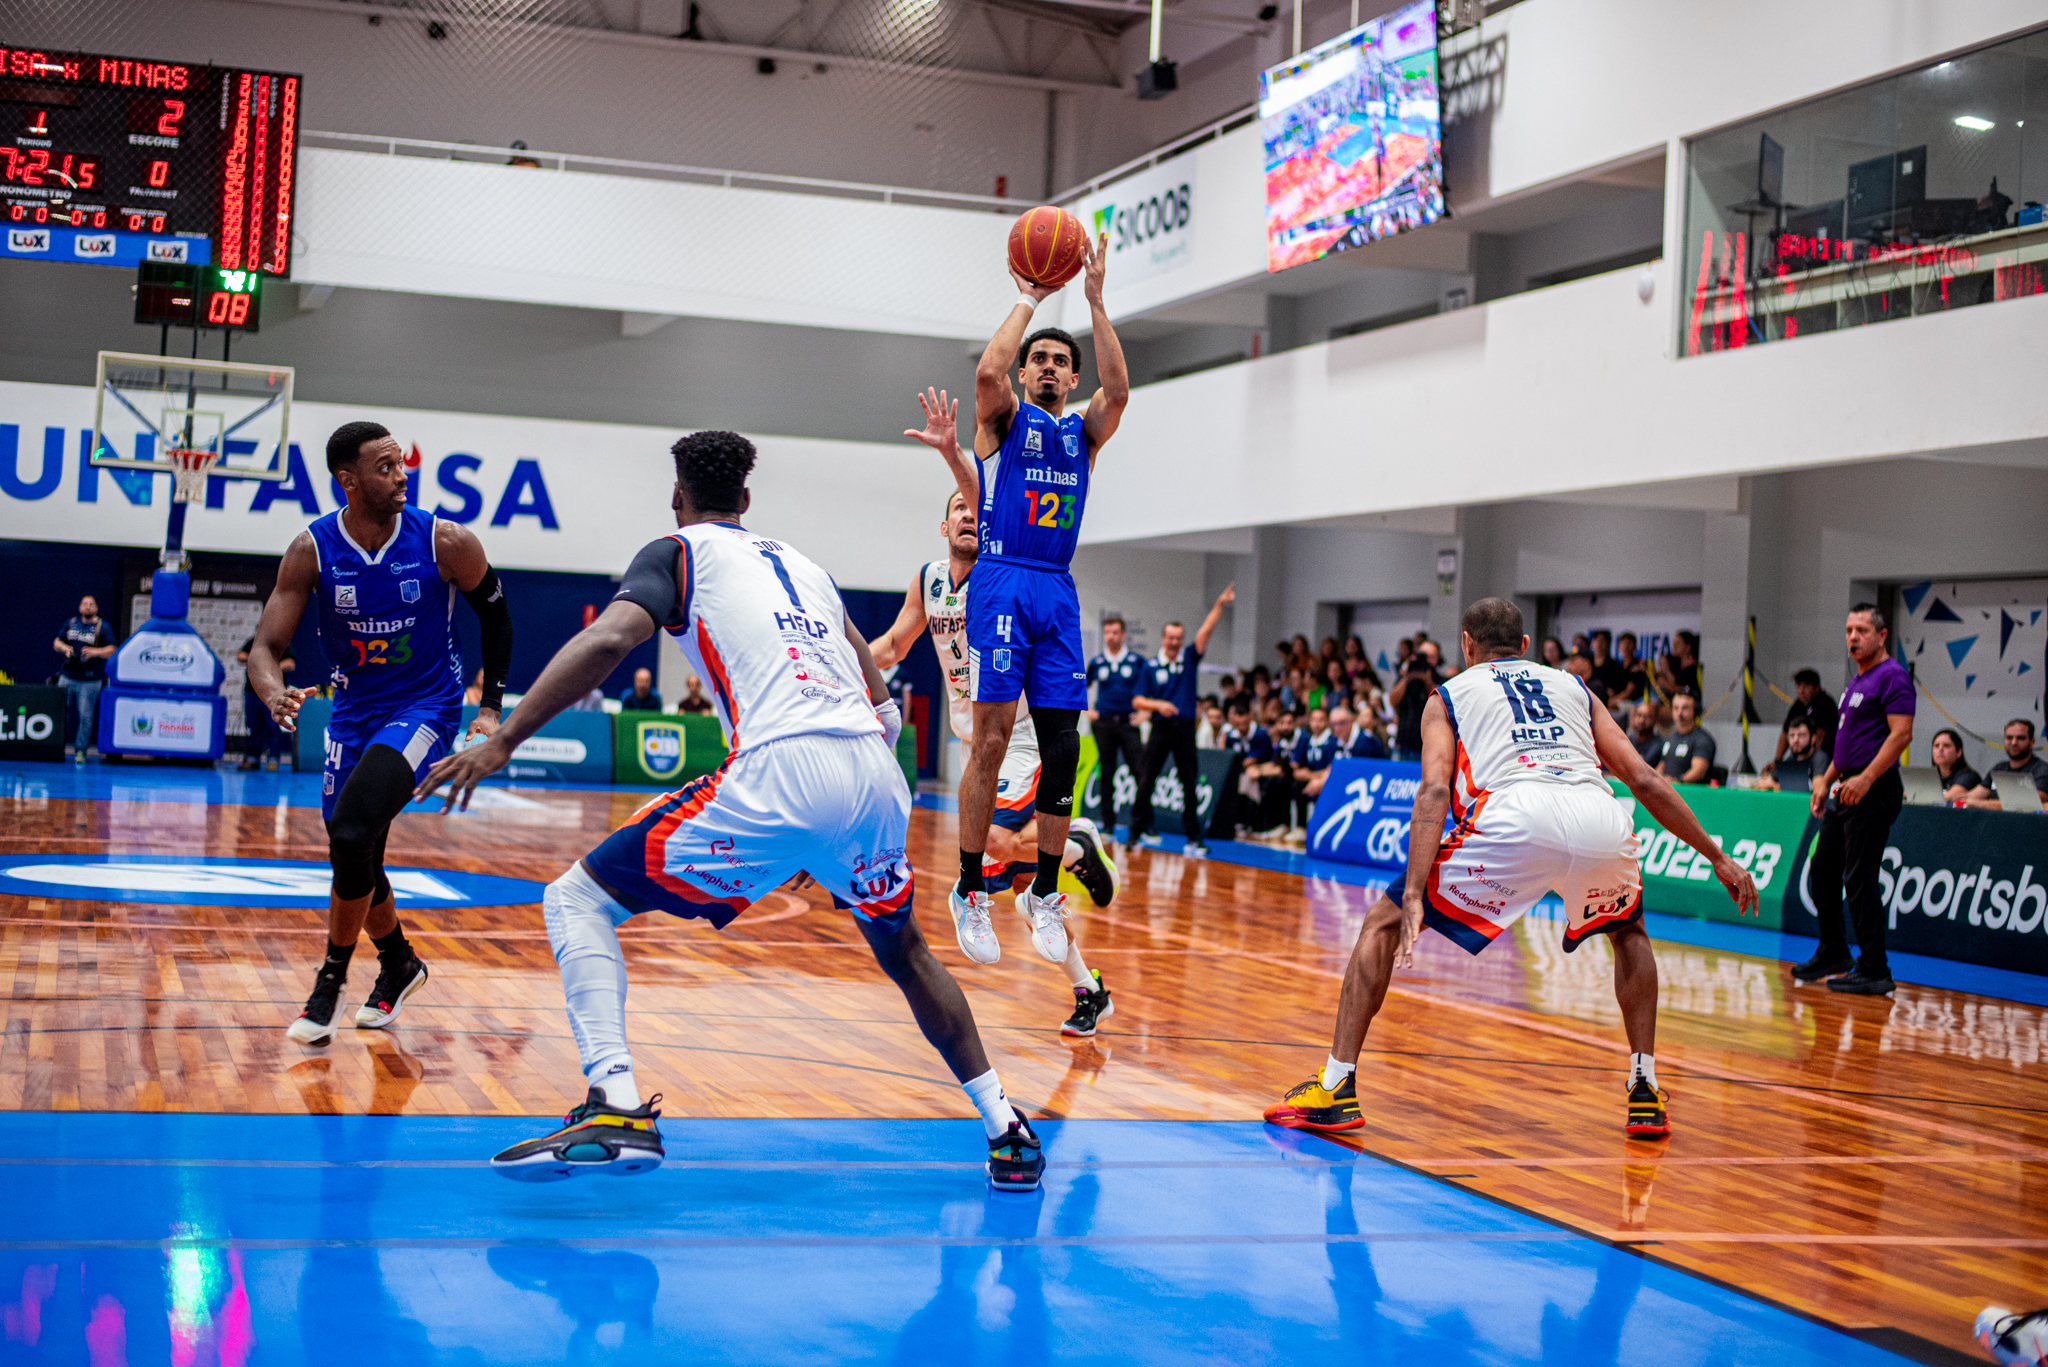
(1760, 831)
(1964, 885)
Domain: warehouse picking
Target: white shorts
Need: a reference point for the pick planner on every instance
(1017, 781)
(1527, 839)
(835, 807)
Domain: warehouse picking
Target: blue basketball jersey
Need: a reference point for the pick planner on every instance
(1033, 490)
(386, 620)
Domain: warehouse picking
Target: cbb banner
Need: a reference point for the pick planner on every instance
(1361, 816)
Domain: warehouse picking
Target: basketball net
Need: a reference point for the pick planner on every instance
(189, 470)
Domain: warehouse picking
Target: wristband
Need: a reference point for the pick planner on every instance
(1027, 301)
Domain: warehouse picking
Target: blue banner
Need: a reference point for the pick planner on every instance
(103, 246)
(1361, 816)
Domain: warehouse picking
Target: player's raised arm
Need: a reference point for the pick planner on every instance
(892, 645)
(1208, 627)
(464, 564)
(1106, 405)
(298, 574)
(1426, 824)
(994, 398)
(1655, 792)
(941, 432)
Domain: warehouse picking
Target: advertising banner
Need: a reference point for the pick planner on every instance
(1212, 777)
(575, 747)
(32, 722)
(664, 749)
(1965, 885)
(1760, 831)
(152, 724)
(1149, 219)
(1361, 816)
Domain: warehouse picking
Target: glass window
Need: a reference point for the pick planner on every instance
(1915, 194)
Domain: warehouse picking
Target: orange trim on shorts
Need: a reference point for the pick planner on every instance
(656, 844)
(873, 910)
(1028, 796)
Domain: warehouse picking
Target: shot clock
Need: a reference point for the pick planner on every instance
(190, 296)
(121, 160)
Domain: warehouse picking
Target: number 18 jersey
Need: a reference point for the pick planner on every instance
(1519, 722)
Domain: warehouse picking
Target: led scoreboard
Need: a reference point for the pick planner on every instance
(122, 160)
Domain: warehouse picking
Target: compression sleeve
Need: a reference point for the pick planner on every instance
(650, 582)
(487, 599)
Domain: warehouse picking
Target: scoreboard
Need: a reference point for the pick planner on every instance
(122, 160)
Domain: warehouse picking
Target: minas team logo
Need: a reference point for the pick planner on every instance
(661, 748)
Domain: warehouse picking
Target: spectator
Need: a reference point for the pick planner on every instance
(1802, 762)
(1258, 778)
(1608, 671)
(1553, 652)
(1292, 690)
(1262, 689)
(1270, 712)
(1581, 668)
(472, 696)
(1642, 731)
(1687, 753)
(694, 700)
(1227, 690)
(1316, 748)
(1357, 666)
(1355, 741)
(1409, 696)
(266, 739)
(1336, 685)
(1578, 643)
(1688, 670)
(1812, 705)
(1632, 665)
(2019, 759)
(1667, 686)
(1857, 799)
(85, 643)
(1166, 689)
(593, 701)
(1958, 780)
(1326, 653)
(1209, 735)
(1302, 657)
(1403, 650)
(641, 697)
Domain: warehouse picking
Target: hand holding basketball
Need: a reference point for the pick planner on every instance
(1048, 247)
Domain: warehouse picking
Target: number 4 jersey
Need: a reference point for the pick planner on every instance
(386, 621)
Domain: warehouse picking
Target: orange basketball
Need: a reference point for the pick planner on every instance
(1046, 245)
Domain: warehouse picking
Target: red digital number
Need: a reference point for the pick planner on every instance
(86, 174)
(134, 222)
(159, 172)
(42, 213)
(77, 218)
(13, 157)
(217, 308)
(99, 218)
(15, 212)
(32, 169)
(156, 223)
(238, 310)
(167, 125)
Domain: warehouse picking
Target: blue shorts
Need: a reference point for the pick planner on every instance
(1024, 637)
(422, 734)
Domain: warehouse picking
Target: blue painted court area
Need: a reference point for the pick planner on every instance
(272, 1239)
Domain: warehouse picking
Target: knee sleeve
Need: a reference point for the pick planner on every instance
(1059, 756)
(582, 924)
(376, 792)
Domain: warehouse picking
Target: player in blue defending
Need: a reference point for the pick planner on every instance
(385, 576)
(1029, 485)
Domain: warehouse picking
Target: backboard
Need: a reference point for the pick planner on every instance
(146, 406)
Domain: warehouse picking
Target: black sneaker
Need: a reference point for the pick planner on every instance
(1646, 1116)
(1863, 984)
(595, 1137)
(1094, 869)
(1090, 1009)
(315, 1024)
(387, 997)
(1015, 1162)
(1821, 966)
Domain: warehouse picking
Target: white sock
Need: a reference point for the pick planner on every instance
(986, 1092)
(1077, 971)
(1642, 1066)
(583, 931)
(1334, 1073)
(619, 1088)
(1070, 854)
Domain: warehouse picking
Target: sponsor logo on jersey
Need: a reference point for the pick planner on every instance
(344, 595)
(816, 694)
(661, 748)
(1032, 440)
(1000, 660)
(1072, 443)
(1039, 474)
(409, 590)
(376, 626)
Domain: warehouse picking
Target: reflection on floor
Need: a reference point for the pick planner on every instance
(191, 1187)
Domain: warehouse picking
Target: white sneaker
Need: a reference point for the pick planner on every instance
(973, 928)
(1048, 917)
(2015, 1340)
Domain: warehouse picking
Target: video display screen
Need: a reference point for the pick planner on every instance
(1354, 139)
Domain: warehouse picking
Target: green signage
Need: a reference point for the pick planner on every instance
(668, 749)
(1760, 831)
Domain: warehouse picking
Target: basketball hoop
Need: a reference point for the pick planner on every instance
(189, 470)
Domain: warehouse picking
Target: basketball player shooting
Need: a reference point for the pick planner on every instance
(1029, 486)
(373, 566)
(937, 600)
(810, 786)
(1514, 750)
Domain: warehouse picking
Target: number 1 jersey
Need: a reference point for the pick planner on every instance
(1519, 722)
(386, 619)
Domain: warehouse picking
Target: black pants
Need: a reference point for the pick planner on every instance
(1846, 856)
(1116, 742)
(1173, 736)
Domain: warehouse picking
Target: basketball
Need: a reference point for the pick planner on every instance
(1046, 245)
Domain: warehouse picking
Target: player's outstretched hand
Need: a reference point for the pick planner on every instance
(284, 708)
(461, 772)
(941, 423)
(1411, 928)
(1740, 885)
(1096, 263)
(485, 724)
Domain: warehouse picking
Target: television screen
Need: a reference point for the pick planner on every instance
(1354, 139)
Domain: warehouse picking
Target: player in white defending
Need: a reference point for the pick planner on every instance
(1514, 750)
(809, 785)
(937, 601)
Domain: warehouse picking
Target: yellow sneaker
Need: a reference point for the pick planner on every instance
(1310, 1107)
(1646, 1118)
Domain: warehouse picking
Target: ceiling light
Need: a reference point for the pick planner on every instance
(1975, 124)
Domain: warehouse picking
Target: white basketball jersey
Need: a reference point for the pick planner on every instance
(765, 628)
(945, 611)
(1519, 722)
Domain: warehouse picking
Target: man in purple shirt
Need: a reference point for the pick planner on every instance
(1857, 800)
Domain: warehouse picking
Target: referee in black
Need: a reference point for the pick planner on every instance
(1167, 690)
(1114, 672)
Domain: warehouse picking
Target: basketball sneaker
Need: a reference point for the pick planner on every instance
(1090, 1009)
(1646, 1118)
(1095, 869)
(1822, 966)
(315, 1024)
(1311, 1107)
(2015, 1340)
(1048, 917)
(972, 926)
(1015, 1161)
(595, 1137)
(388, 994)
